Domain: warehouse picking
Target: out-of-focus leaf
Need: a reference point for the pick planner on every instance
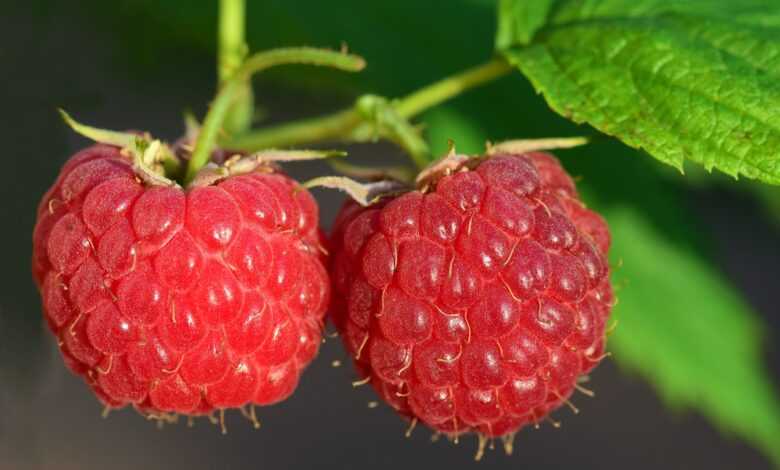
(770, 198)
(767, 196)
(681, 325)
(445, 124)
(696, 81)
(519, 21)
(701, 347)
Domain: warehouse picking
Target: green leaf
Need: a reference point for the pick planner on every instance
(702, 349)
(695, 81)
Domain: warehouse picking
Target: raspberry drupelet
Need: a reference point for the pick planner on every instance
(474, 303)
(180, 300)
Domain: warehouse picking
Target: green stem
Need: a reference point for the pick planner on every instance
(232, 51)
(232, 46)
(382, 119)
(450, 87)
(297, 132)
(341, 124)
(212, 124)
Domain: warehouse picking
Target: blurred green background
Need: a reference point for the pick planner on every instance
(695, 258)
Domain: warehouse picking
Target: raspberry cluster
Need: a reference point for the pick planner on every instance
(183, 301)
(475, 303)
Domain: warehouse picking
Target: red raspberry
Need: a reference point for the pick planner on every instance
(475, 303)
(183, 301)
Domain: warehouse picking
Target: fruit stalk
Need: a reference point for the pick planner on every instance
(232, 52)
(342, 124)
(451, 87)
(215, 118)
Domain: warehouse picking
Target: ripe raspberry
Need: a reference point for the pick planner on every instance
(475, 303)
(183, 301)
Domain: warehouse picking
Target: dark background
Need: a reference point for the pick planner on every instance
(65, 54)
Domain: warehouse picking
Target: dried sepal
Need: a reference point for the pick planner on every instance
(152, 159)
(446, 165)
(101, 136)
(364, 194)
(373, 173)
(520, 146)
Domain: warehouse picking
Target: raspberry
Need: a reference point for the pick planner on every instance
(180, 301)
(474, 303)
